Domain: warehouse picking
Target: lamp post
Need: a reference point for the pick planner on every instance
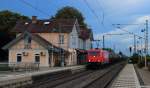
(103, 41)
(61, 51)
(134, 44)
(143, 30)
(52, 58)
(146, 42)
(140, 50)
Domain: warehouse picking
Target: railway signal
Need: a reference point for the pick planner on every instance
(130, 49)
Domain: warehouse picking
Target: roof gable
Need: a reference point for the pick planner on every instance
(37, 38)
(18, 38)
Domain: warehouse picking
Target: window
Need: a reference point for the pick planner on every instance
(27, 42)
(61, 39)
(37, 58)
(93, 53)
(19, 58)
(73, 40)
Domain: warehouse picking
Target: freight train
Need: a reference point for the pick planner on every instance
(97, 58)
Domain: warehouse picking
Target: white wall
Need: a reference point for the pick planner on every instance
(80, 44)
(88, 44)
(73, 41)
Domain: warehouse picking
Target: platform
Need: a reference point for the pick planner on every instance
(145, 76)
(17, 78)
(127, 78)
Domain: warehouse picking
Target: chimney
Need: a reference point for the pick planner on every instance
(34, 19)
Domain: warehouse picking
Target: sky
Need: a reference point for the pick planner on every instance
(99, 15)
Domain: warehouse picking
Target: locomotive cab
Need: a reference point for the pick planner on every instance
(97, 57)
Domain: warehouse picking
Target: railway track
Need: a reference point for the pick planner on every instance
(92, 80)
(61, 78)
(84, 79)
(105, 79)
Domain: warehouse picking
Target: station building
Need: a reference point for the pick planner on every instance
(48, 42)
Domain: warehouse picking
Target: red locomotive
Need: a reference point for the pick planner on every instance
(99, 57)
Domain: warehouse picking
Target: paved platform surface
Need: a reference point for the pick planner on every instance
(145, 76)
(127, 78)
(14, 75)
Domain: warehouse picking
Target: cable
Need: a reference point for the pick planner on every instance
(103, 14)
(88, 5)
(129, 32)
(30, 5)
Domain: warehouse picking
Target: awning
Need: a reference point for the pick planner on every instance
(80, 51)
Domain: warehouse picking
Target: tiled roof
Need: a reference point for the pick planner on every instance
(45, 26)
(51, 26)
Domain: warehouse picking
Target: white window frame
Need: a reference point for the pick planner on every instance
(35, 58)
(17, 58)
(61, 39)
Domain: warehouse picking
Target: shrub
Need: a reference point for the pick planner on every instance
(140, 64)
(134, 58)
(4, 67)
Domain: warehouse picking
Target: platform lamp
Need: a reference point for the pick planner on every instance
(145, 51)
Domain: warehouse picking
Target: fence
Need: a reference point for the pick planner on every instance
(19, 66)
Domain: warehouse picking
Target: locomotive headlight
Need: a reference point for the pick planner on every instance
(89, 60)
(93, 56)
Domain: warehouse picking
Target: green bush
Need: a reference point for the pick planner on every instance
(149, 67)
(140, 64)
(134, 58)
(4, 67)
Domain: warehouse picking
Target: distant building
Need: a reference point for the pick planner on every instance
(48, 42)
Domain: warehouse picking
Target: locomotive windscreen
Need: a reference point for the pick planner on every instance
(93, 53)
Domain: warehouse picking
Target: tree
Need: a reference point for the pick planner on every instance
(70, 13)
(8, 20)
(135, 58)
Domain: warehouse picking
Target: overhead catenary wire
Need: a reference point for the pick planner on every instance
(103, 13)
(117, 24)
(128, 24)
(93, 11)
(34, 7)
(129, 32)
(97, 17)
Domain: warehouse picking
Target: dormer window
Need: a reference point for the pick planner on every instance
(26, 23)
(46, 22)
(27, 42)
